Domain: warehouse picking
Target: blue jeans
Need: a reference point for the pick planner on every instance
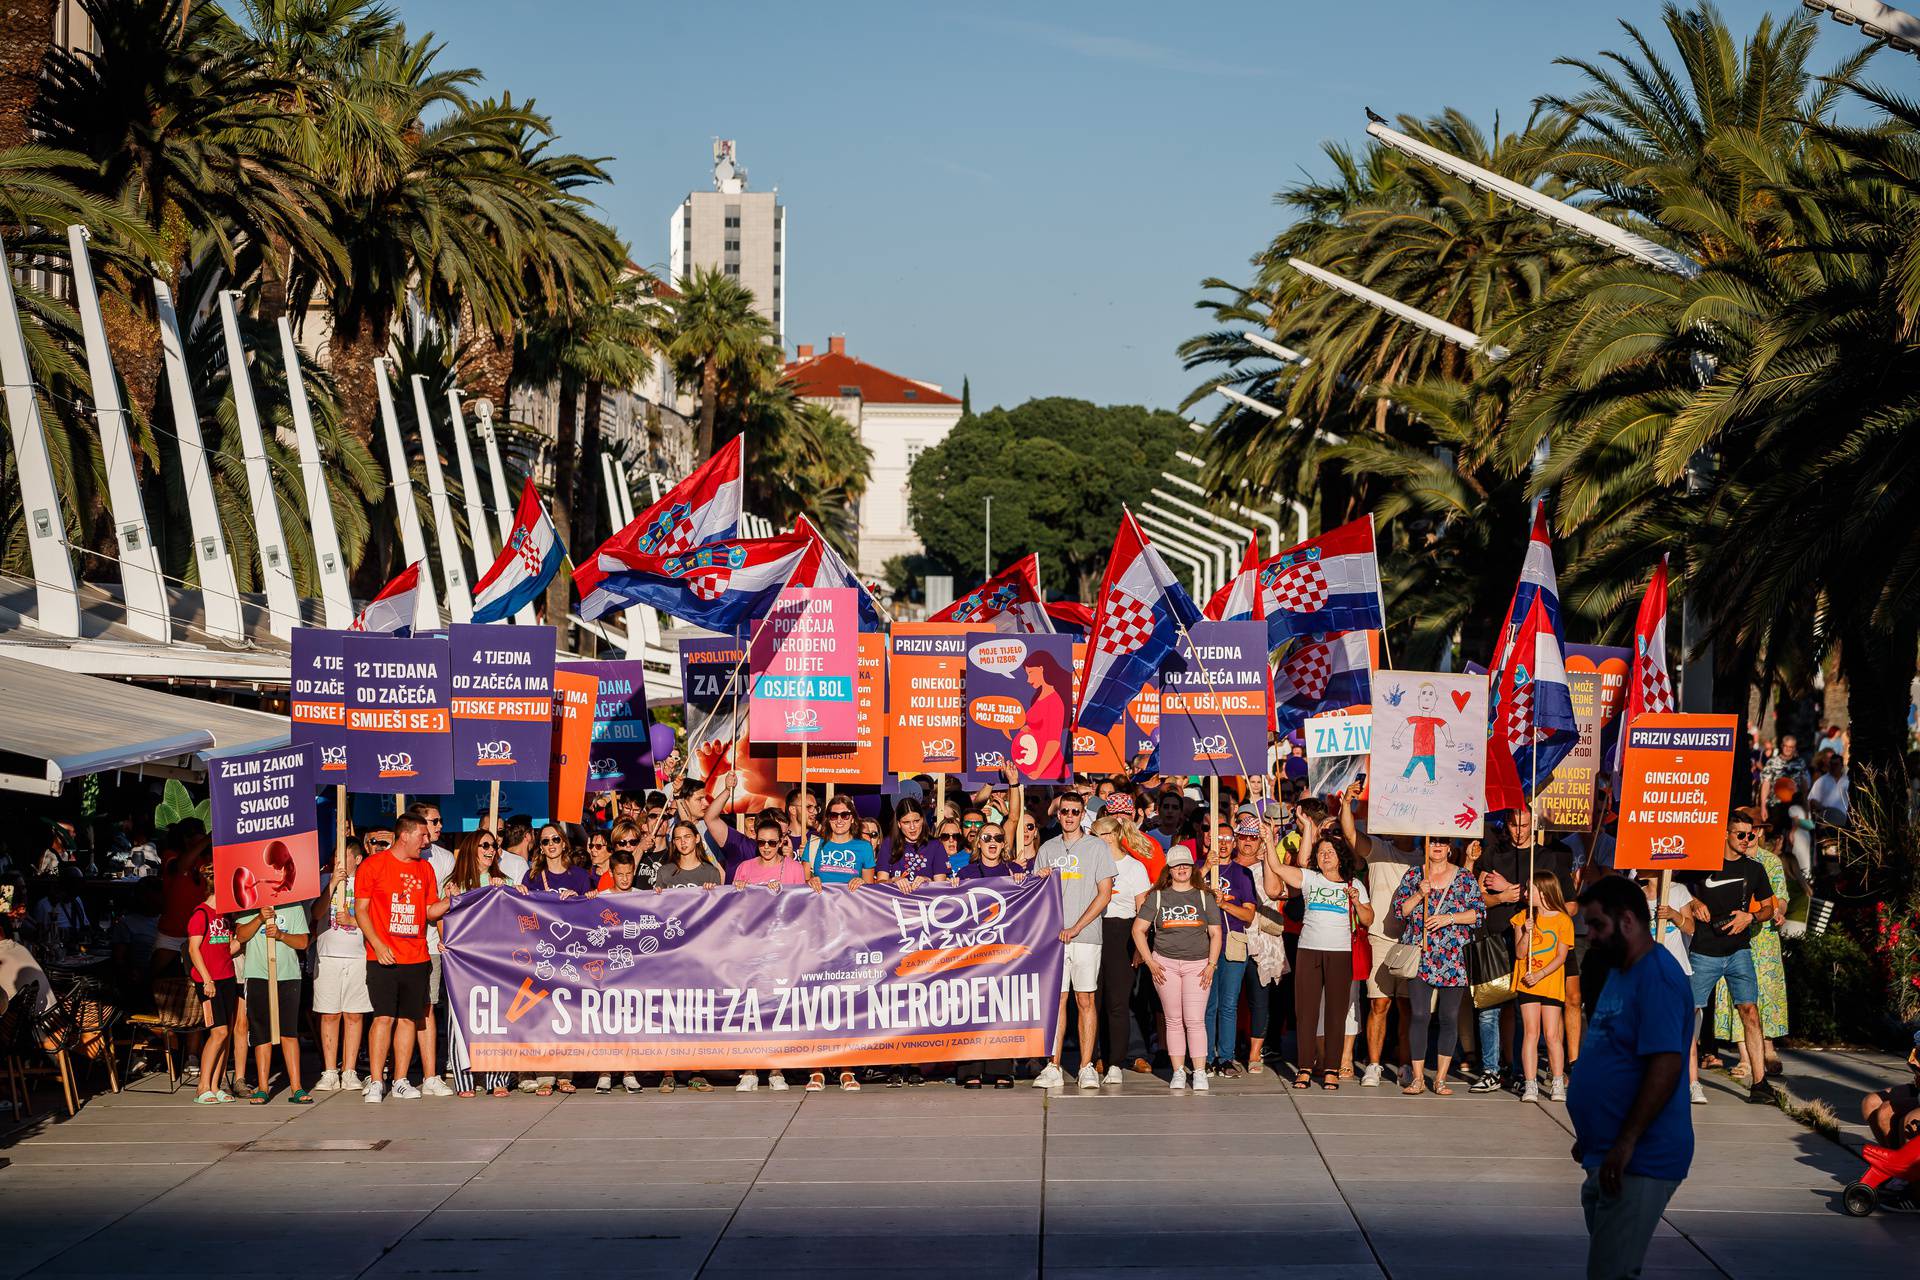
(1223, 1010)
(1488, 1022)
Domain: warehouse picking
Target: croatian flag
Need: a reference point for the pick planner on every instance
(1532, 727)
(1317, 674)
(1649, 686)
(1239, 600)
(392, 610)
(717, 585)
(1011, 600)
(822, 566)
(1075, 617)
(1141, 610)
(1329, 583)
(703, 508)
(525, 565)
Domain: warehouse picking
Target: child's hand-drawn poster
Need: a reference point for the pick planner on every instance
(1428, 762)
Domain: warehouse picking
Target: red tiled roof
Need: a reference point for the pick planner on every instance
(825, 375)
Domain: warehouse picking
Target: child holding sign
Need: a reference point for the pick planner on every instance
(1544, 939)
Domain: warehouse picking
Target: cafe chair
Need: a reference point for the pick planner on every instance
(17, 1044)
(176, 1013)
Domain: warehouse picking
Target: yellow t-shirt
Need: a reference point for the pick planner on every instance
(1552, 930)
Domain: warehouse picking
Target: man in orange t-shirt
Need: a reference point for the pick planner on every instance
(395, 898)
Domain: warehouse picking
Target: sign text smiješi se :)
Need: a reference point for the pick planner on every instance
(266, 840)
(1676, 777)
(399, 728)
(805, 657)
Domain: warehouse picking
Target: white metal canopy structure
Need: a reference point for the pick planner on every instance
(61, 725)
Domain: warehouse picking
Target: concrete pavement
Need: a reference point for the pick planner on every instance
(1252, 1179)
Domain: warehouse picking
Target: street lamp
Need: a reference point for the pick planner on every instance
(1466, 339)
(1879, 21)
(989, 532)
(1225, 550)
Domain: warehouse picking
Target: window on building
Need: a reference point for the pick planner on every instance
(850, 393)
(776, 268)
(733, 246)
(911, 394)
(913, 454)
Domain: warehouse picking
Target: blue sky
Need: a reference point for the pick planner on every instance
(1024, 194)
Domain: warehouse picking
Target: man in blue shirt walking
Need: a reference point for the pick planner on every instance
(1632, 1123)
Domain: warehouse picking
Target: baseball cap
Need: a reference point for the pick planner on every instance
(1118, 806)
(1179, 856)
(1246, 824)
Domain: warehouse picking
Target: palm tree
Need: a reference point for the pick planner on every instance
(26, 34)
(716, 340)
(802, 460)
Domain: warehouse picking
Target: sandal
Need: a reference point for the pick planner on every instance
(209, 1098)
(300, 1098)
(566, 1086)
(849, 1083)
(464, 1093)
(1346, 1072)
(667, 1083)
(503, 1092)
(1330, 1081)
(258, 1098)
(699, 1084)
(1303, 1080)
(543, 1091)
(816, 1082)
(1442, 1089)
(1255, 1066)
(1415, 1089)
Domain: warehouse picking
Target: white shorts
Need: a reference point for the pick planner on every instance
(340, 986)
(1081, 972)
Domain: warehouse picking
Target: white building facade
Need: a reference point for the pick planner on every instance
(741, 232)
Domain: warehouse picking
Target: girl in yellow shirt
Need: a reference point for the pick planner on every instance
(1544, 937)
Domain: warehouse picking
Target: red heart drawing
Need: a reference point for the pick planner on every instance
(1460, 697)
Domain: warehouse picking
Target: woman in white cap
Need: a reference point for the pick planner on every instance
(1185, 953)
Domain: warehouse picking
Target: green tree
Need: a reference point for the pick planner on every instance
(1058, 471)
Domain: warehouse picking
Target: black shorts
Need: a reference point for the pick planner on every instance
(260, 1010)
(1528, 998)
(224, 1003)
(398, 990)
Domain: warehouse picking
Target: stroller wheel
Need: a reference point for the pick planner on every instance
(1858, 1199)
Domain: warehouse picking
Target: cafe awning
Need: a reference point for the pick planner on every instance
(56, 726)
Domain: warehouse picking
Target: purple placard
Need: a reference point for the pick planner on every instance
(399, 729)
(690, 980)
(502, 683)
(1213, 701)
(622, 754)
(1019, 704)
(266, 840)
(317, 699)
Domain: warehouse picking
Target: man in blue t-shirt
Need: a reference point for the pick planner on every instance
(1632, 1123)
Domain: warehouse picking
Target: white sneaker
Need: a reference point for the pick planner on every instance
(1697, 1094)
(1089, 1078)
(329, 1082)
(630, 1083)
(749, 1081)
(529, 1085)
(350, 1079)
(1557, 1092)
(1370, 1078)
(1200, 1084)
(406, 1092)
(777, 1081)
(1532, 1092)
(375, 1091)
(1113, 1076)
(433, 1087)
(603, 1085)
(1050, 1077)
(1179, 1080)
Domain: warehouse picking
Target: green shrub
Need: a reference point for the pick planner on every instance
(1833, 994)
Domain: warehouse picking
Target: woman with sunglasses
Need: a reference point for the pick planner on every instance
(476, 865)
(555, 868)
(840, 859)
(599, 857)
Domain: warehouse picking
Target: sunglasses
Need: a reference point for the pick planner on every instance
(1743, 836)
(949, 836)
(839, 816)
(973, 826)
(551, 840)
(1070, 813)
(769, 844)
(626, 844)
(992, 839)
(488, 844)
(379, 845)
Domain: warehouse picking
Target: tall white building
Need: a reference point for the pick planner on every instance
(896, 418)
(742, 232)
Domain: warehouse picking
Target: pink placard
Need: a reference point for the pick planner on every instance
(805, 660)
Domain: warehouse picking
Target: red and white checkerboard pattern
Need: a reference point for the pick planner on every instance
(1126, 625)
(1309, 670)
(1520, 718)
(529, 554)
(679, 538)
(1656, 692)
(709, 584)
(1301, 589)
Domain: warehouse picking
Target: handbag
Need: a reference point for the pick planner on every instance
(1489, 970)
(1235, 948)
(1403, 958)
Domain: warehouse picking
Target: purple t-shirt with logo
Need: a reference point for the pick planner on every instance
(977, 870)
(1238, 880)
(922, 861)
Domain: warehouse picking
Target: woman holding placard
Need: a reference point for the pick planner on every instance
(1441, 906)
(1335, 900)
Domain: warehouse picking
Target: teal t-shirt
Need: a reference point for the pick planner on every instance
(840, 861)
(292, 919)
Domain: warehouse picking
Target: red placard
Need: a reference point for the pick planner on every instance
(574, 696)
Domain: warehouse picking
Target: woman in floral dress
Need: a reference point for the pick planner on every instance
(1441, 906)
(1769, 968)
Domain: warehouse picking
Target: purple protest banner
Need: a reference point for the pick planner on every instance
(318, 699)
(621, 758)
(399, 731)
(1213, 701)
(266, 838)
(687, 980)
(502, 684)
(1019, 700)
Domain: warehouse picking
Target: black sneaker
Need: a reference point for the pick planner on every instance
(915, 1079)
(1761, 1094)
(1485, 1084)
(895, 1080)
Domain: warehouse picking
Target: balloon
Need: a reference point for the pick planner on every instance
(661, 735)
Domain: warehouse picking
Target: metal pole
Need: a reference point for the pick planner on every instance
(988, 570)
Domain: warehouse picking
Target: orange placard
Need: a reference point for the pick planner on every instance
(860, 763)
(926, 674)
(1676, 774)
(574, 695)
(1109, 752)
